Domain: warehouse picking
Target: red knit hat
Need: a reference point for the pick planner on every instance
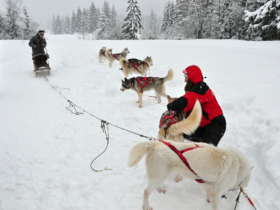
(193, 73)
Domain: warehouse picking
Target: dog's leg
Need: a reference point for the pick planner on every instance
(161, 189)
(110, 63)
(146, 204)
(178, 178)
(159, 99)
(140, 99)
(212, 195)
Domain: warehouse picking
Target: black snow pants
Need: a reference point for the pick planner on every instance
(211, 133)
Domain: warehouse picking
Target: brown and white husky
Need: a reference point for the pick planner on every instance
(134, 65)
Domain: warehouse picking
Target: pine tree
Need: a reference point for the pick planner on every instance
(166, 18)
(79, 20)
(182, 11)
(73, 23)
(152, 29)
(104, 22)
(2, 27)
(132, 26)
(84, 22)
(27, 31)
(12, 18)
(93, 18)
(264, 23)
(231, 22)
(67, 25)
(113, 17)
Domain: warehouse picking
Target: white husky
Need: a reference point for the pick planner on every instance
(217, 170)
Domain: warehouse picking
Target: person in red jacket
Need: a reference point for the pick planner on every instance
(213, 124)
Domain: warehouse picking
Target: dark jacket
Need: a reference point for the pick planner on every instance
(38, 45)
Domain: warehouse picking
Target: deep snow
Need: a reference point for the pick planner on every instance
(46, 151)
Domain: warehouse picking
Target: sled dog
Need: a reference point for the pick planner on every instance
(217, 170)
(117, 56)
(142, 84)
(134, 65)
(104, 54)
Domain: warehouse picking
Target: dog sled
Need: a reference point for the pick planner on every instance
(41, 65)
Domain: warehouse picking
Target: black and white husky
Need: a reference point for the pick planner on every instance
(142, 84)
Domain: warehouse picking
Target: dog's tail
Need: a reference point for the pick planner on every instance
(138, 152)
(190, 124)
(169, 76)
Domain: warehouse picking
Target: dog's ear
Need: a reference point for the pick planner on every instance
(125, 79)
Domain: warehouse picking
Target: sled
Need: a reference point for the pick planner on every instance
(42, 71)
(41, 65)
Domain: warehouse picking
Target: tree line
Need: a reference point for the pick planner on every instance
(15, 22)
(222, 19)
(181, 19)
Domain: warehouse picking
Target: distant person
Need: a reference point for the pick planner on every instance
(38, 44)
(213, 124)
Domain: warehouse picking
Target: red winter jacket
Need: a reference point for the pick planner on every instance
(198, 91)
(209, 105)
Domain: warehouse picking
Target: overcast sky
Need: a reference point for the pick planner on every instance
(43, 10)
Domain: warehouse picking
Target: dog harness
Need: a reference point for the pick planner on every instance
(144, 81)
(135, 63)
(167, 119)
(183, 158)
(116, 55)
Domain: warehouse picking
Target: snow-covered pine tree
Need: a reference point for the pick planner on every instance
(84, 22)
(73, 23)
(113, 17)
(232, 22)
(252, 5)
(181, 9)
(27, 31)
(166, 20)
(264, 23)
(104, 22)
(132, 26)
(152, 29)
(79, 20)
(12, 18)
(93, 18)
(67, 25)
(2, 27)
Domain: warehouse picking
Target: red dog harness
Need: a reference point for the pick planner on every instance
(116, 55)
(144, 81)
(182, 157)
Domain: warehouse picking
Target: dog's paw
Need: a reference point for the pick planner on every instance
(140, 105)
(147, 207)
(178, 178)
(161, 190)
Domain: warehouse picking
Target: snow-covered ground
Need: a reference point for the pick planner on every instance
(45, 150)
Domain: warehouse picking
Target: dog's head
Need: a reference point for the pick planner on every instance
(109, 51)
(168, 119)
(126, 51)
(149, 60)
(126, 84)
